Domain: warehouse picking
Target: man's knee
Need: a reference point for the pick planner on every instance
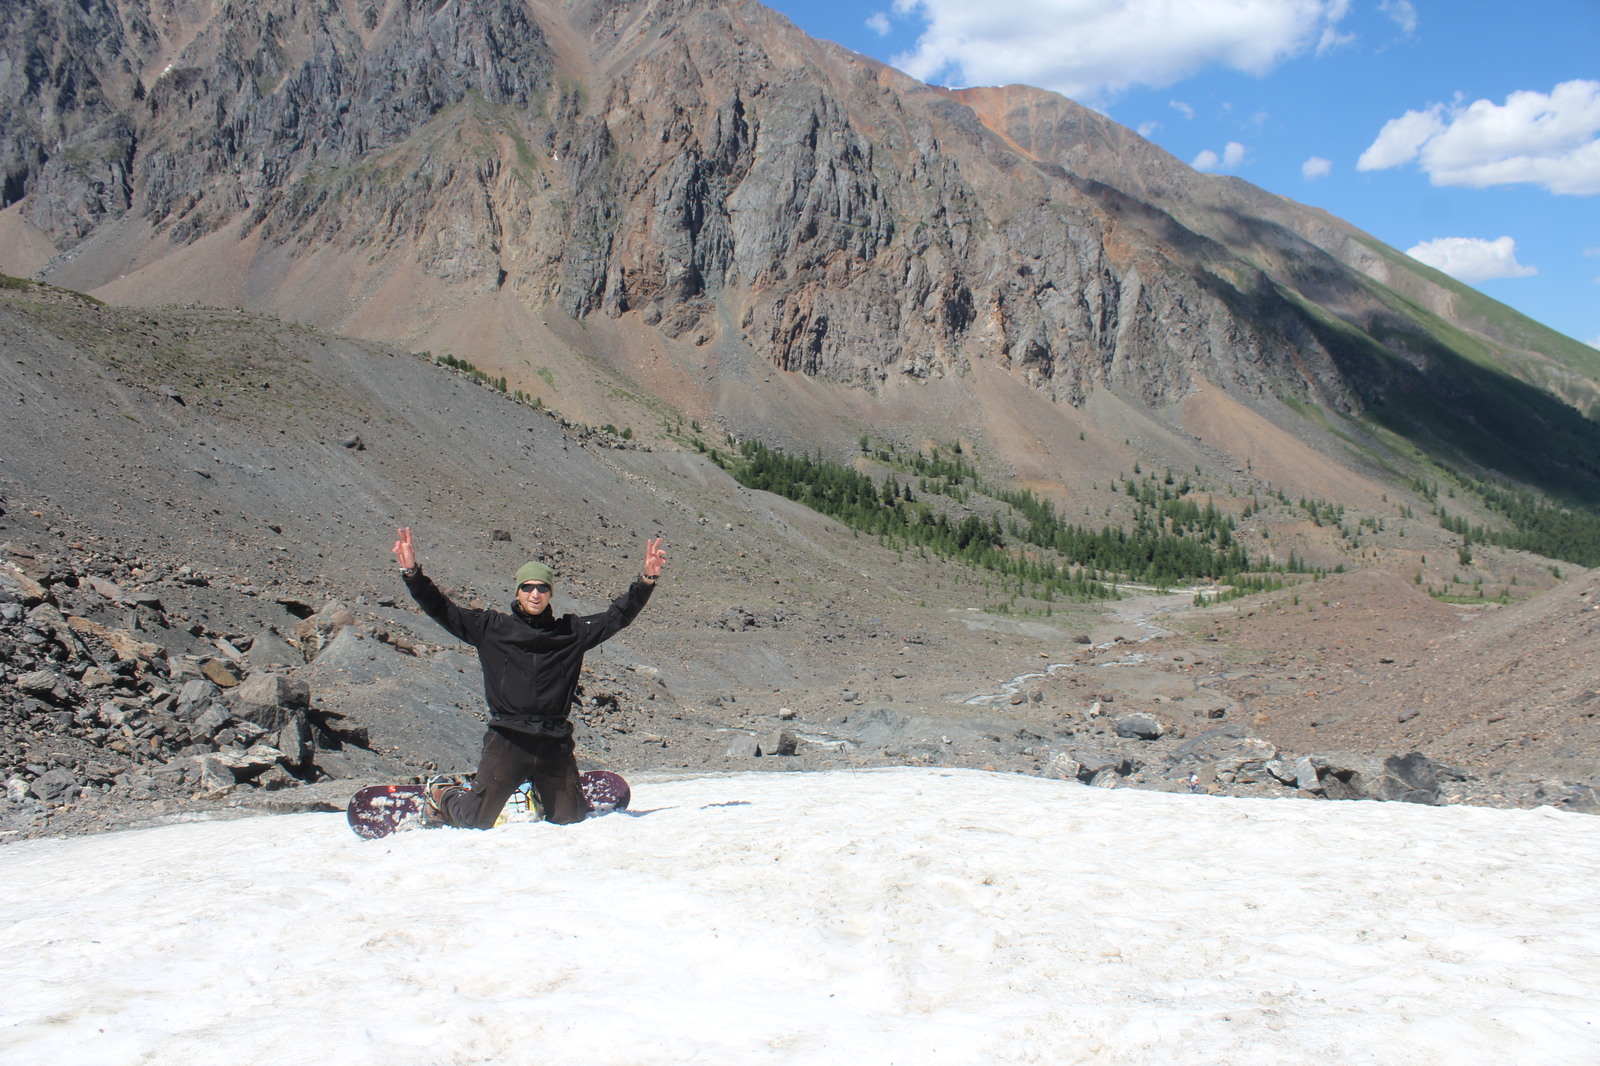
(464, 808)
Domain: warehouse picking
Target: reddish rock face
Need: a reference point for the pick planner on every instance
(705, 171)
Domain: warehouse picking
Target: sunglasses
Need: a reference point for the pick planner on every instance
(534, 587)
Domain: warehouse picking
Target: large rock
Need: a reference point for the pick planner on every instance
(1411, 778)
(1138, 726)
(124, 644)
(268, 649)
(1231, 750)
(46, 618)
(1092, 762)
(219, 674)
(1063, 767)
(224, 769)
(53, 786)
(353, 655)
(15, 586)
(45, 684)
(879, 727)
(295, 741)
(271, 700)
(193, 697)
(212, 719)
(317, 631)
(780, 742)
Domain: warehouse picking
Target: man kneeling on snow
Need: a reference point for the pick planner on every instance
(531, 661)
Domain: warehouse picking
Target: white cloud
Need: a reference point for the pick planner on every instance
(1231, 157)
(1092, 49)
(1401, 139)
(1186, 110)
(1472, 259)
(878, 23)
(1533, 138)
(1403, 14)
(1331, 38)
(1149, 129)
(1316, 167)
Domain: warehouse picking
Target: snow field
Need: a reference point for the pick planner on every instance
(907, 916)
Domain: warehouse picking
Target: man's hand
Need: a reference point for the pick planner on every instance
(404, 553)
(654, 557)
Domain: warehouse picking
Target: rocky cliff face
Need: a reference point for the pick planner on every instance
(704, 166)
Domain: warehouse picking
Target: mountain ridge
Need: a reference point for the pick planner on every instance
(715, 178)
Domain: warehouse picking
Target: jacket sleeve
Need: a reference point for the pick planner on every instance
(467, 625)
(601, 627)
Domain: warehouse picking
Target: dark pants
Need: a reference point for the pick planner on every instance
(507, 761)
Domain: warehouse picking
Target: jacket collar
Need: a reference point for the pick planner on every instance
(545, 619)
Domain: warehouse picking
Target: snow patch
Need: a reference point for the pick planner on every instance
(908, 915)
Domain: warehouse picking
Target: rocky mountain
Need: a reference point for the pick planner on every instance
(758, 228)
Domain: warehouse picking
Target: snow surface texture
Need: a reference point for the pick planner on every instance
(899, 916)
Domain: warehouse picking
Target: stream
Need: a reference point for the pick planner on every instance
(1137, 612)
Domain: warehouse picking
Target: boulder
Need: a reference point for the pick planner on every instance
(1231, 750)
(212, 719)
(1096, 761)
(1411, 778)
(55, 785)
(1138, 726)
(276, 779)
(354, 655)
(127, 647)
(780, 742)
(744, 746)
(294, 740)
(224, 769)
(268, 649)
(45, 684)
(193, 696)
(45, 618)
(315, 632)
(1063, 767)
(271, 700)
(216, 776)
(19, 587)
(109, 589)
(219, 674)
(1283, 771)
(879, 726)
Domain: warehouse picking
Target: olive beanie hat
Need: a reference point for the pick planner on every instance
(535, 572)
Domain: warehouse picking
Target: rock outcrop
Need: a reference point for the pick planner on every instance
(703, 165)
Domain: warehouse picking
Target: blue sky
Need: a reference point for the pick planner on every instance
(1465, 132)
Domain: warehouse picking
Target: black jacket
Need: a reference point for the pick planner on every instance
(530, 665)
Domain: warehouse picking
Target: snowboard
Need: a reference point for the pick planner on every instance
(378, 810)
